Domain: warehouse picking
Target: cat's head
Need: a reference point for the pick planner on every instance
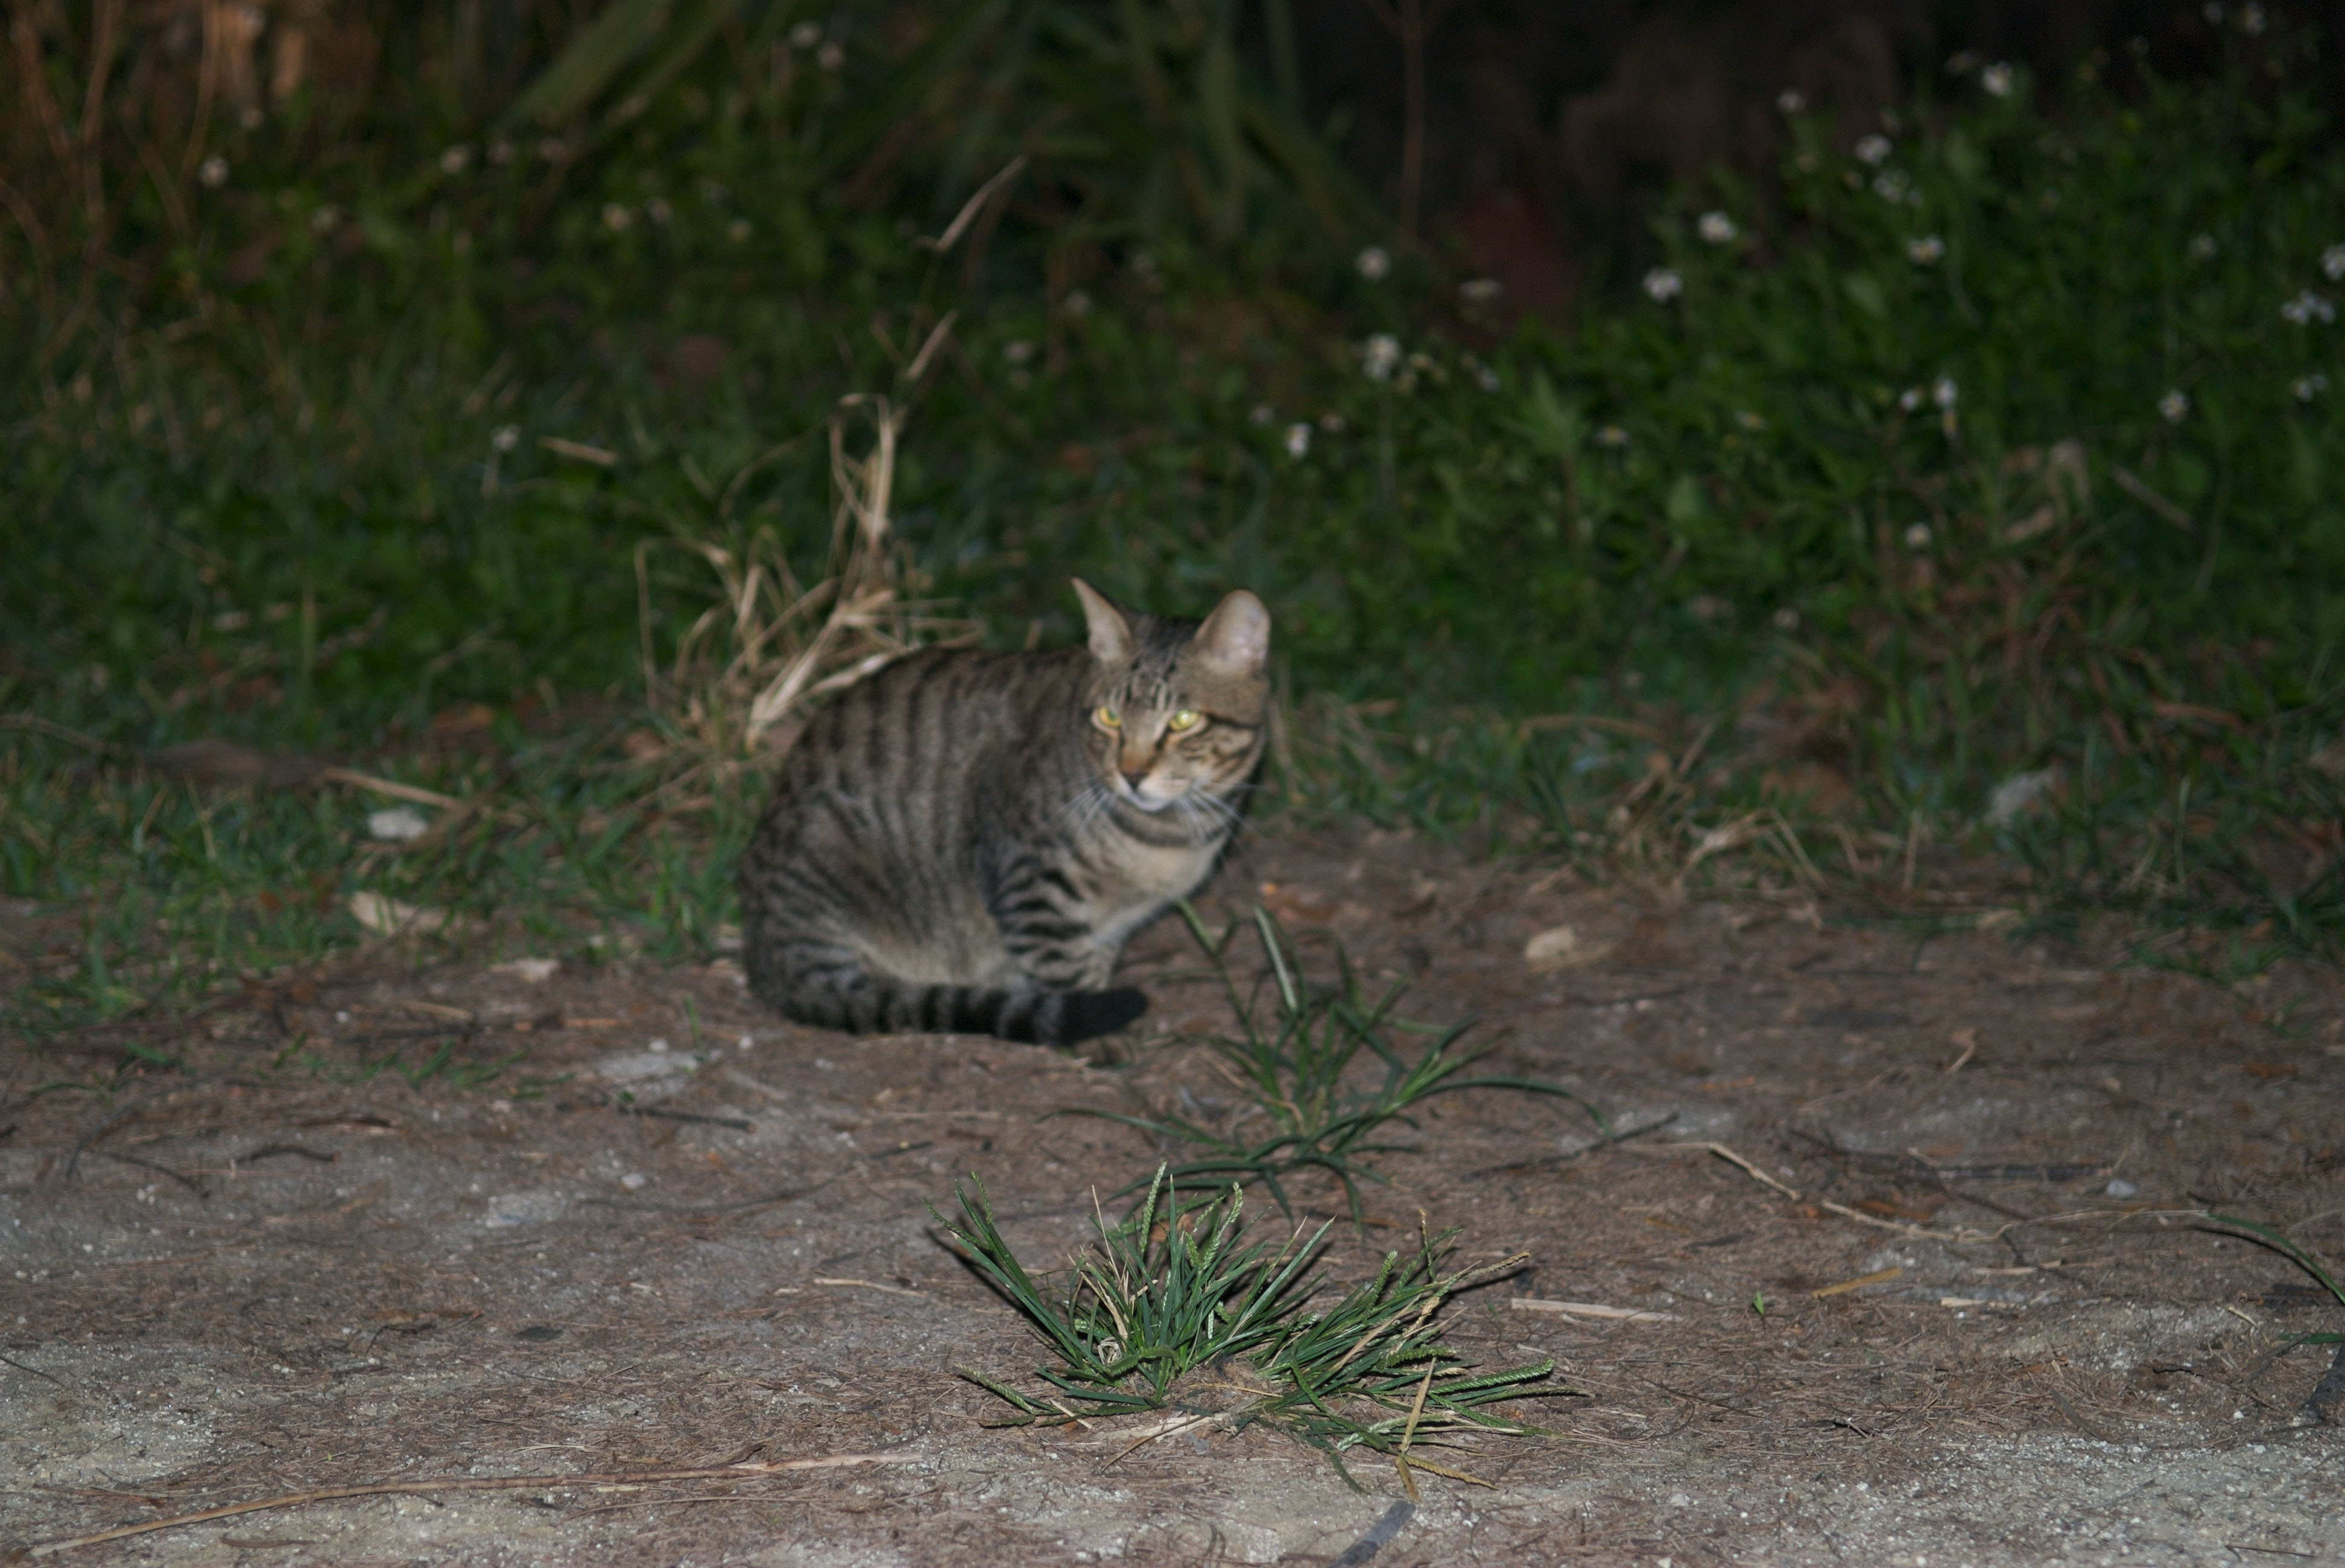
(1177, 709)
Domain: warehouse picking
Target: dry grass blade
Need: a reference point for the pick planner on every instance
(746, 671)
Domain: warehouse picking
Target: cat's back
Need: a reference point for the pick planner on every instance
(931, 729)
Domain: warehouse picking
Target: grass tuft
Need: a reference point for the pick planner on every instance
(1291, 1062)
(751, 664)
(1178, 1310)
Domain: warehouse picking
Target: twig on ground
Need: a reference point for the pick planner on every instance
(1728, 1154)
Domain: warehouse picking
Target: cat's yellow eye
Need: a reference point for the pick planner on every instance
(1186, 719)
(1108, 719)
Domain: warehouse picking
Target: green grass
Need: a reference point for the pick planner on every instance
(1177, 1309)
(277, 505)
(1290, 1065)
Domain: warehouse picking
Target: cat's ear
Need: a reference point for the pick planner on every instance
(1111, 639)
(1235, 637)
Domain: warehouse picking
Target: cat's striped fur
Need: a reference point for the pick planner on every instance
(964, 842)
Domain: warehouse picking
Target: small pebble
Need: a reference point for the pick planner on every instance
(2121, 1188)
(634, 1180)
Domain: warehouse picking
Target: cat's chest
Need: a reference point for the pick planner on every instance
(1133, 873)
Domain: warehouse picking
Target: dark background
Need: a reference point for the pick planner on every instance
(1548, 128)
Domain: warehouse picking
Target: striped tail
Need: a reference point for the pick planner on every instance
(846, 996)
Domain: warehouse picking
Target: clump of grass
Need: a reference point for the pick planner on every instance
(2327, 1400)
(1178, 1310)
(1293, 1063)
(747, 670)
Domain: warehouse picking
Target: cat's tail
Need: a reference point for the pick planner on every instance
(847, 995)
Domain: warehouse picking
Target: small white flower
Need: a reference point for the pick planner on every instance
(1917, 536)
(1612, 435)
(658, 210)
(1077, 303)
(1911, 398)
(2308, 388)
(1485, 378)
(325, 219)
(2308, 307)
(1375, 263)
(456, 159)
(1873, 149)
(1018, 350)
(806, 35)
(1943, 392)
(1926, 250)
(1787, 618)
(2175, 406)
(1997, 80)
(2332, 264)
(1662, 284)
(2202, 247)
(1261, 417)
(737, 231)
(505, 438)
(616, 217)
(830, 56)
(1481, 290)
(398, 825)
(1891, 185)
(1380, 356)
(1790, 100)
(1717, 228)
(213, 171)
(1298, 439)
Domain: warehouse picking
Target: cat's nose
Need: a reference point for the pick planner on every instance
(1135, 777)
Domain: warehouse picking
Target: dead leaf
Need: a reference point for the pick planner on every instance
(1878, 1277)
(462, 718)
(390, 917)
(1297, 906)
(1560, 948)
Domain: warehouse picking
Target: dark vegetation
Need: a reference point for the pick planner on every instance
(1962, 484)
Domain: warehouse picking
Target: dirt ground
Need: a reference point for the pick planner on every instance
(258, 1280)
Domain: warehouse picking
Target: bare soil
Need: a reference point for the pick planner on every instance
(270, 1273)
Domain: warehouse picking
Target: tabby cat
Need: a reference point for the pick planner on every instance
(964, 842)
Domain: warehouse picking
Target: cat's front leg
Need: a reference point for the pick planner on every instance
(1056, 959)
(1050, 930)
